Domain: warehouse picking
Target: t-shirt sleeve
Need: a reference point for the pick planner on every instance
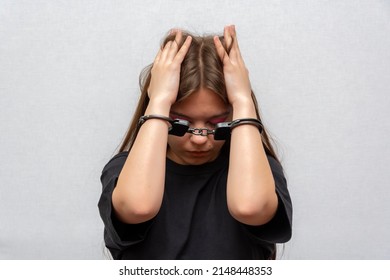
(117, 235)
(279, 229)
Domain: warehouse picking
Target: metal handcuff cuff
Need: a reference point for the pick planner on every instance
(222, 131)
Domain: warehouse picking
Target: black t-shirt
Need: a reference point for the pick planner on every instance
(193, 221)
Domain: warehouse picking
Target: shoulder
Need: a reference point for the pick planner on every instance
(113, 167)
(118, 159)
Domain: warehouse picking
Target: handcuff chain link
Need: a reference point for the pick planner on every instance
(201, 131)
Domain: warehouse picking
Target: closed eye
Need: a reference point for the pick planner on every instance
(212, 122)
(217, 121)
(174, 117)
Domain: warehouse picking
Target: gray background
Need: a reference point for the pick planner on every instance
(69, 84)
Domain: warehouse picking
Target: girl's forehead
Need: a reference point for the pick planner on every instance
(208, 115)
(202, 103)
(200, 111)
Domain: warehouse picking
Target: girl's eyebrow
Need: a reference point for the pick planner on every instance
(212, 117)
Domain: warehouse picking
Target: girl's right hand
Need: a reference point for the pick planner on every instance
(165, 73)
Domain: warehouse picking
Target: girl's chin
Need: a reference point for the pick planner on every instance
(192, 158)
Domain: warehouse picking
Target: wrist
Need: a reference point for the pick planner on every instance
(244, 108)
(247, 121)
(163, 97)
(159, 107)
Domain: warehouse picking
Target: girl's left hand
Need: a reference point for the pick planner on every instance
(236, 74)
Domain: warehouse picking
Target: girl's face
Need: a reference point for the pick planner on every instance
(202, 109)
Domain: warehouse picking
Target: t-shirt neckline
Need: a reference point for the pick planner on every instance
(209, 167)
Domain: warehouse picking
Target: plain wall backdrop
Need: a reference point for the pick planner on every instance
(69, 84)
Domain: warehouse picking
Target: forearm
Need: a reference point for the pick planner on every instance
(251, 195)
(140, 187)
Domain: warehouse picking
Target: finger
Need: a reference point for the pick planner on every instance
(165, 51)
(234, 35)
(158, 56)
(175, 44)
(178, 38)
(227, 36)
(234, 53)
(183, 50)
(221, 50)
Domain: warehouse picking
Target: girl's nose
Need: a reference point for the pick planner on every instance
(198, 139)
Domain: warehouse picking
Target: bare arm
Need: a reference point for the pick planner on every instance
(140, 187)
(251, 195)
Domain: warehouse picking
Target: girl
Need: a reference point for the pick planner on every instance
(196, 176)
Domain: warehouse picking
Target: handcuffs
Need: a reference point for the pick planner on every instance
(222, 131)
